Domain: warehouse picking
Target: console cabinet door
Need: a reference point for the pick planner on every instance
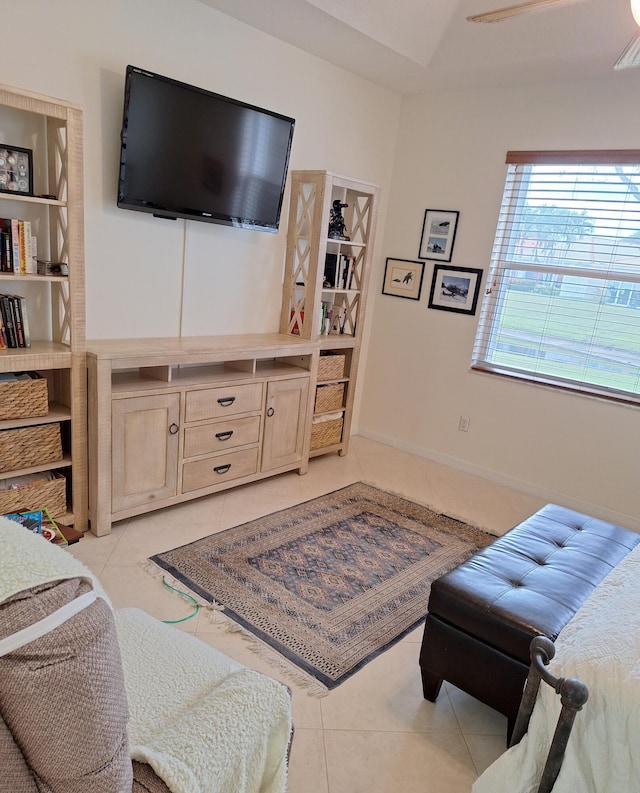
(144, 449)
(284, 424)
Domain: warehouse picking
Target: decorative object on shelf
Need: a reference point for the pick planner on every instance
(438, 234)
(455, 289)
(16, 169)
(403, 278)
(45, 267)
(337, 226)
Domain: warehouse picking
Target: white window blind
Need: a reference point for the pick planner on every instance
(562, 304)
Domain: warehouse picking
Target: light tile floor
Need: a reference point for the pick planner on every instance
(375, 733)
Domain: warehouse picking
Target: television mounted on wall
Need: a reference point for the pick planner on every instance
(190, 153)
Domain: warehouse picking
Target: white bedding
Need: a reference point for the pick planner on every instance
(203, 722)
(601, 647)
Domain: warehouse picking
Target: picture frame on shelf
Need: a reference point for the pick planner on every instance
(403, 278)
(438, 234)
(455, 289)
(16, 170)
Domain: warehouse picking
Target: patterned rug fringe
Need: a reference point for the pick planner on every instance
(159, 574)
(216, 616)
(294, 674)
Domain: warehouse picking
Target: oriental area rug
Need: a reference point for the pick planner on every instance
(330, 583)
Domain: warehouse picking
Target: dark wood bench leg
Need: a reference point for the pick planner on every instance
(431, 685)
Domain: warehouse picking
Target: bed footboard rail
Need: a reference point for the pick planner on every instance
(573, 695)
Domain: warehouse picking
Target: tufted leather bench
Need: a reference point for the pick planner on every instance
(483, 614)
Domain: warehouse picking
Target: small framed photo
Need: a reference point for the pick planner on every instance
(455, 289)
(16, 170)
(438, 234)
(403, 278)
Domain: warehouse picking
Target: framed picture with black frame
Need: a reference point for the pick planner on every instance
(438, 234)
(455, 288)
(16, 170)
(403, 278)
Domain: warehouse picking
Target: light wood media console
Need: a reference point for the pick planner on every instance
(175, 419)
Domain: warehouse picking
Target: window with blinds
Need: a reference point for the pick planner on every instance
(562, 304)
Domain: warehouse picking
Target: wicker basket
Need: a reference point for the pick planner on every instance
(329, 397)
(21, 399)
(51, 494)
(326, 433)
(27, 446)
(331, 367)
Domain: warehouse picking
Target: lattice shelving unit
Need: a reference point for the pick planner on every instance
(52, 130)
(326, 281)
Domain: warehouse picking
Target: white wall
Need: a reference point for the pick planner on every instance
(450, 155)
(78, 50)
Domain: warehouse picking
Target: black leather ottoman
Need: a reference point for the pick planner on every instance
(483, 614)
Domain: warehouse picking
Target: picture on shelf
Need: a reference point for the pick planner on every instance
(455, 289)
(403, 278)
(16, 169)
(438, 234)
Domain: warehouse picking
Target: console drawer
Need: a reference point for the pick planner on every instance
(218, 469)
(213, 403)
(221, 435)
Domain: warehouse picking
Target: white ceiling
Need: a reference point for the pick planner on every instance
(412, 46)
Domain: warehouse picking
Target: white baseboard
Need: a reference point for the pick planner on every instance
(551, 496)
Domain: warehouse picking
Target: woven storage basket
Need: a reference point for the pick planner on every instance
(22, 399)
(326, 433)
(51, 494)
(26, 446)
(328, 397)
(331, 367)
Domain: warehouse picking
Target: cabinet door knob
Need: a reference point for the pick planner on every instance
(226, 401)
(270, 412)
(224, 436)
(222, 469)
(173, 428)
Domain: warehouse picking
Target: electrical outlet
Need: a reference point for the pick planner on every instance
(463, 425)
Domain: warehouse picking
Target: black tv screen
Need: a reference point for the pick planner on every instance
(190, 153)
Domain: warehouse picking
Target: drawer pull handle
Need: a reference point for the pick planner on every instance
(224, 436)
(173, 428)
(226, 401)
(222, 469)
(270, 412)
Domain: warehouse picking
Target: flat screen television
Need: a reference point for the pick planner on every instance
(191, 153)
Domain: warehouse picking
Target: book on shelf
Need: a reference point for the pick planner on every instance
(15, 244)
(15, 319)
(18, 247)
(338, 271)
(3, 334)
(6, 256)
(326, 316)
(7, 317)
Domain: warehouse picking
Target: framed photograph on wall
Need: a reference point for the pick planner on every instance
(455, 289)
(16, 170)
(403, 278)
(438, 234)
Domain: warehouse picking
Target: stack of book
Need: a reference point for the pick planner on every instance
(14, 322)
(18, 247)
(338, 271)
(332, 318)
